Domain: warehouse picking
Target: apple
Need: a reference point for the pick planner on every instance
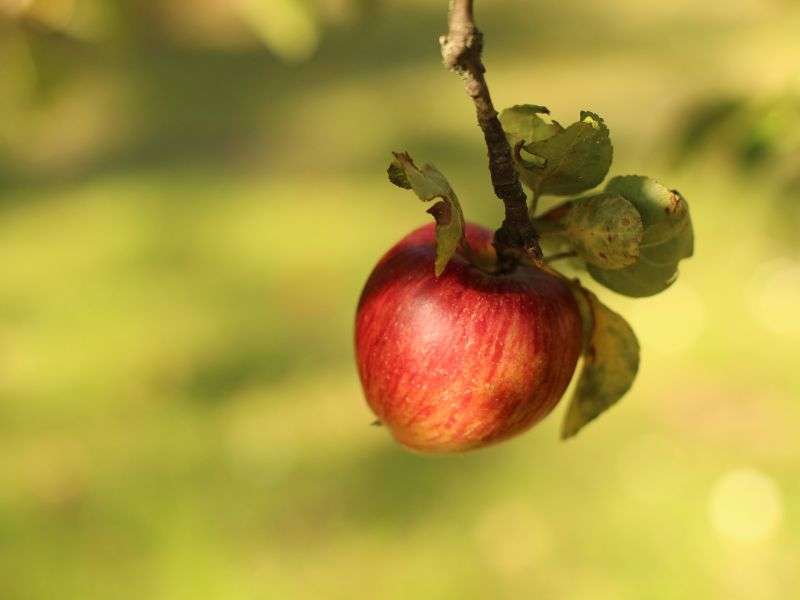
(467, 359)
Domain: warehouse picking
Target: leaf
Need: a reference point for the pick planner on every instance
(610, 364)
(428, 183)
(397, 175)
(655, 271)
(551, 222)
(664, 212)
(569, 161)
(668, 238)
(605, 230)
(522, 123)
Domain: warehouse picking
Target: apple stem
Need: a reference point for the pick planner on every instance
(461, 50)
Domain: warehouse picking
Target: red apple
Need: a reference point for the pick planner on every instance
(466, 359)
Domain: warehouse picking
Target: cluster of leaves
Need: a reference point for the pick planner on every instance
(629, 237)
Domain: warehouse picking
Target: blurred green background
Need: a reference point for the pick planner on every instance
(192, 193)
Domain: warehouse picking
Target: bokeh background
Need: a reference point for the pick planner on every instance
(192, 193)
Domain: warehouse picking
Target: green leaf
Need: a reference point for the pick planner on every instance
(428, 183)
(655, 271)
(554, 160)
(605, 230)
(664, 212)
(610, 364)
(668, 238)
(522, 123)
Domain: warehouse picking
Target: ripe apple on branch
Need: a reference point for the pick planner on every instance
(465, 338)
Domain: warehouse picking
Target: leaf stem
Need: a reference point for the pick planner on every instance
(559, 256)
(534, 204)
(461, 51)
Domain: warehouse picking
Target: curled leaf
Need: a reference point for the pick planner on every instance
(655, 271)
(428, 183)
(664, 212)
(397, 175)
(605, 230)
(610, 363)
(522, 123)
(551, 223)
(554, 160)
(668, 238)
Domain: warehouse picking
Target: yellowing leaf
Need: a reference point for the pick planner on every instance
(668, 238)
(605, 230)
(664, 212)
(428, 183)
(610, 363)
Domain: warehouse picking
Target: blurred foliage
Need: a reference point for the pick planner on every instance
(758, 137)
(755, 133)
(290, 28)
(179, 412)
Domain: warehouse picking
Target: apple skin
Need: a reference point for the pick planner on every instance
(467, 359)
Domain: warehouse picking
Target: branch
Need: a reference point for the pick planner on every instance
(461, 51)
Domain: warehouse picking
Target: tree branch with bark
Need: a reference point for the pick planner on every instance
(462, 47)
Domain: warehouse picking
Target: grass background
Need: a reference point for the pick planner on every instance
(190, 202)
